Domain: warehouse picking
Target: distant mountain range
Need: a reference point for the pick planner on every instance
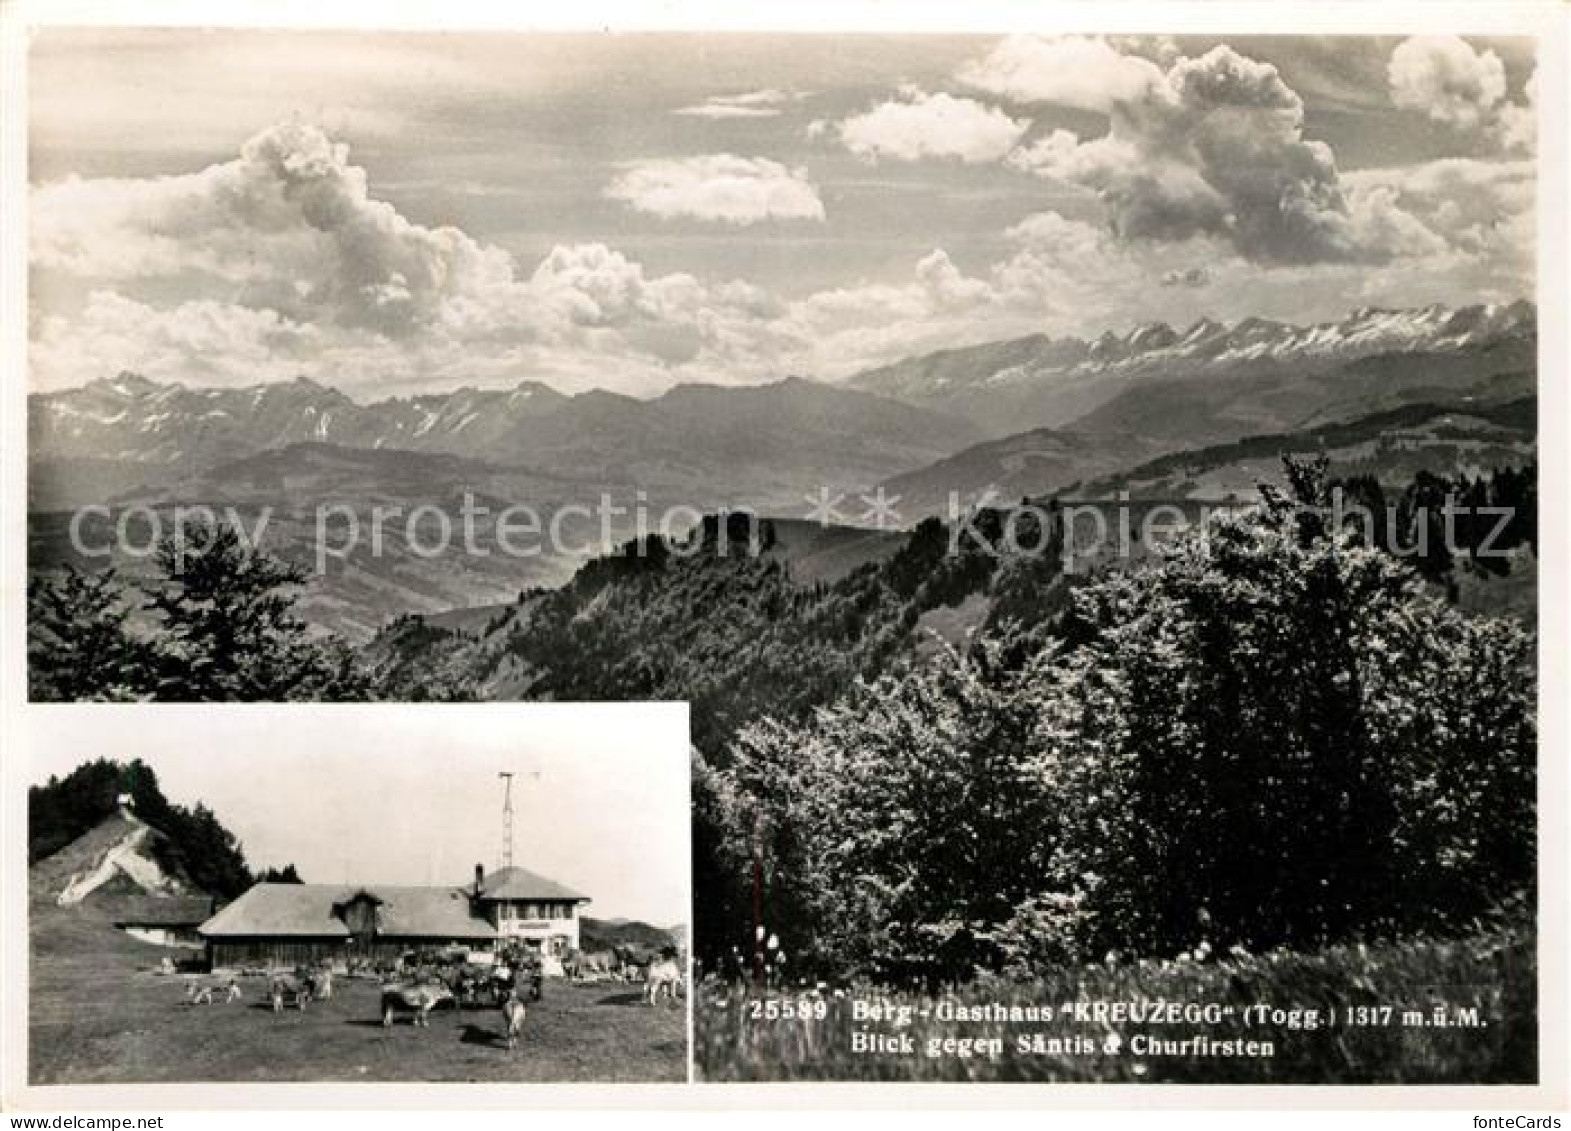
(702, 444)
(1221, 379)
(1117, 402)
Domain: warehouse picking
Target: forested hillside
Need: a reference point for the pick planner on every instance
(732, 631)
(194, 842)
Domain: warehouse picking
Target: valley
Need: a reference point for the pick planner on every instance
(1202, 414)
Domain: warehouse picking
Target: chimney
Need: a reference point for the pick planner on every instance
(479, 880)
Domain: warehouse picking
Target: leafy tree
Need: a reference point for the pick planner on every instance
(1276, 735)
(899, 828)
(285, 875)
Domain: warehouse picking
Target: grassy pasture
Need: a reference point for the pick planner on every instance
(99, 1014)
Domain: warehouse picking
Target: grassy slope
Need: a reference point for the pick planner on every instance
(48, 877)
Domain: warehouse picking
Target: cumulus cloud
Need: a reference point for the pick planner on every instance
(320, 277)
(1084, 72)
(1067, 271)
(215, 342)
(290, 220)
(1451, 82)
(946, 286)
(1215, 146)
(718, 186)
(595, 285)
(1445, 78)
(1162, 49)
(1069, 240)
(919, 125)
(282, 262)
(1480, 209)
(1519, 121)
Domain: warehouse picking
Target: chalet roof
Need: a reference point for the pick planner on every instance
(163, 911)
(311, 910)
(521, 883)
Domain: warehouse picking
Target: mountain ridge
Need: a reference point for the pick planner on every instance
(703, 444)
(1466, 434)
(1042, 382)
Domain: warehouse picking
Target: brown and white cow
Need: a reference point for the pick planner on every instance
(513, 1014)
(663, 977)
(596, 964)
(416, 999)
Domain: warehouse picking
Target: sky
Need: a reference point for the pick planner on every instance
(396, 213)
(409, 794)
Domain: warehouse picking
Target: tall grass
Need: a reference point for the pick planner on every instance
(1493, 972)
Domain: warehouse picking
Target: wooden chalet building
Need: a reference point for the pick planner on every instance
(292, 924)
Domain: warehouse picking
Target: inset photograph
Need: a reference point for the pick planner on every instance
(337, 894)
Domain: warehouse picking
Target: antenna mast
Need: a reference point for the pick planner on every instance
(507, 818)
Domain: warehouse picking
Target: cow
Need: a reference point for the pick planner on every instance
(207, 991)
(297, 987)
(663, 977)
(513, 1014)
(598, 964)
(417, 1000)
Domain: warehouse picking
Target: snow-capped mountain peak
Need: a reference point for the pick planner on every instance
(1066, 377)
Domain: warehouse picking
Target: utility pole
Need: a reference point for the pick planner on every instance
(507, 818)
(507, 812)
